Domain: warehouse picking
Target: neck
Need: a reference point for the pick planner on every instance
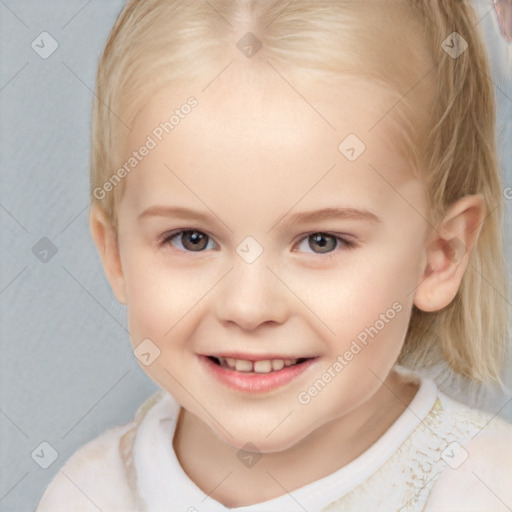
(207, 460)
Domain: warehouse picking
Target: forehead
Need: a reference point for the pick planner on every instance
(263, 134)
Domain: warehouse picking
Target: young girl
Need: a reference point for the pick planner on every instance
(299, 203)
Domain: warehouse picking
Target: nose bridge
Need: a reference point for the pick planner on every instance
(251, 294)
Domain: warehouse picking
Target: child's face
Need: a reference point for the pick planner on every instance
(243, 161)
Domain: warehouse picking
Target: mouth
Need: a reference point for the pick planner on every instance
(259, 366)
(259, 374)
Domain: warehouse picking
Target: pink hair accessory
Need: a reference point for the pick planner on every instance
(504, 12)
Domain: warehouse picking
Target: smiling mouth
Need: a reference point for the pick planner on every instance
(261, 366)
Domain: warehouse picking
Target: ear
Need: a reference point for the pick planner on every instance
(447, 253)
(105, 238)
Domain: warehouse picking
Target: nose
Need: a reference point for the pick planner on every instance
(251, 295)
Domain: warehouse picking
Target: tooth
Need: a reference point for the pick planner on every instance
(231, 363)
(277, 364)
(263, 366)
(243, 365)
(289, 362)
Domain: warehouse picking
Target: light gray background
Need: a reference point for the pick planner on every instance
(67, 371)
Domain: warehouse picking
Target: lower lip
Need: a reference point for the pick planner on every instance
(255, 382)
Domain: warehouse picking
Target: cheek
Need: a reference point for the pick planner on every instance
(353, 294)
(151, 302)
(161, 295)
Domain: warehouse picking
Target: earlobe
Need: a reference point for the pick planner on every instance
(447, 253)
(105, 239)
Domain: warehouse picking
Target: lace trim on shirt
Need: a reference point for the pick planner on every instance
(404, 482)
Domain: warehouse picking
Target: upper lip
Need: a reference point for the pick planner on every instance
(255, 357)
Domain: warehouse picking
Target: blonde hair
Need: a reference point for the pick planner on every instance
(157, 43)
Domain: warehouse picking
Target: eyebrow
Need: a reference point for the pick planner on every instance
(330, 213)
(173, 211)
(285, 220)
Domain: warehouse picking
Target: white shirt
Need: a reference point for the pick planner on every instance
(439, 455)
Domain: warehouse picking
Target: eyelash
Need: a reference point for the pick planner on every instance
(343, 242)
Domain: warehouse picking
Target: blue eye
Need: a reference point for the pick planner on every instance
(190, 240)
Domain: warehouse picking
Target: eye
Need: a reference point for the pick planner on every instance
(190, 240)
(325, 242)
(193, 240)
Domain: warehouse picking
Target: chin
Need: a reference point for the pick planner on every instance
(258, 440)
